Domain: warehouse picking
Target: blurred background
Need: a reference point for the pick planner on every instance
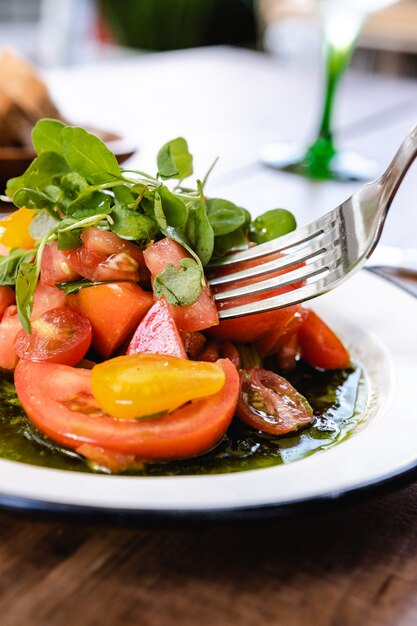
(70, 32)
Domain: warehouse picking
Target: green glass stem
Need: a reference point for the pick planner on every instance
(320, 153)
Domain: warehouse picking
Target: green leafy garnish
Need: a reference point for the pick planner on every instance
(87, 155)
(272, 224)
(180, 286)
(46, 136)
(174, 160)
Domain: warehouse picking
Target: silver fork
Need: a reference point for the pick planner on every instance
(331, 248)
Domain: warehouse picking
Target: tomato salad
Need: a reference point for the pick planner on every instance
(108, 324)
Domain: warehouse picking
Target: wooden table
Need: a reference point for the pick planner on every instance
(348, 564)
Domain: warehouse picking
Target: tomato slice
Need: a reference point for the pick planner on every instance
(7, 297)
(270, 403)
(60, 335)
(59, 401)
(320, 347)
(198, 316)
(157, 333)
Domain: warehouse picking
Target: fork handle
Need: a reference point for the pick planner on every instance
(397, 169)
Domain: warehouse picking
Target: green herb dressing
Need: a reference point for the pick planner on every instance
(338, 399)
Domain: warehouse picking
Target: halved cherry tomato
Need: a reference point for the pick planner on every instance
(198, 316)
(7, 297)
(45, 298)
(14, 229)
(292, 318)
(59, 401)
(57, 266)
(114, 310)
(106, 256)
(157, 333)
(193, 343)
(320, 347)
(220, 348)
(270, 403)
(60, 335)
(140, 385)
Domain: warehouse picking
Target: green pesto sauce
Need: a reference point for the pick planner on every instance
(338, 400)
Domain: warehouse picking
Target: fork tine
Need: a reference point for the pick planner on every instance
(323, 264)
(295, 238)
(298, 256)
(321, 285)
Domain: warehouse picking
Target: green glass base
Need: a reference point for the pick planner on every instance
(320, 162)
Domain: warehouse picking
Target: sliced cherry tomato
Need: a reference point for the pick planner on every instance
(157, 333)
(45, 298)
(59, 401)
(57, 265)
(198, 316)
(106, 256)
(220, 348)
(60, 335)
(7, 297)
(114, 310)
(254, 327)
(14, 229)
(193, 343)
(320, 347)
(270, 403)
(140, 385)
(292, 318)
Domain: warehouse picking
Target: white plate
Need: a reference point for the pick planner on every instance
(380, 322)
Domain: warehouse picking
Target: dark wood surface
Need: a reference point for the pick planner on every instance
(353, 565)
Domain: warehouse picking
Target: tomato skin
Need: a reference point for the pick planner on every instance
(14, 229)
(157, 333)
(52, 396)
(292, 319)
(320, 347)
(61, 335)
(114, 310)
(193, 343)
(45, 298)
(264, 392)
(198, 316)
(220, 348)
(7, 297)
(106, 256)
(56, 266)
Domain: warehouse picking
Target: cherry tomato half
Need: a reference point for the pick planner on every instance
(320, 347)
(61, 335)
(270, 403)
(59, 401)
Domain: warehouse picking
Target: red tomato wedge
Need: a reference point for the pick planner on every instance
(7, 297)
(45, 298)
(59, 401)
(106, 256)
(60, 335)
(320, 347)
(157, 333)
(254, 327)
(270, 403)
(198, 316)
(114, 310)
(56, 266)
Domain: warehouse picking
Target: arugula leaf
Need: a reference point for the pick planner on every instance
(173, 207)
(232, 242)
(123, 194)
(198, 230)
(26, 281)
(41, 172)
(174, 160)
(41, 224)
(89, 156)
(69, 239)
(272, 224)
(46, 136)
(90, 205)
(32, 199)
(130, 224)
(9, 265)
(224, 216)
(180, 286)
(73, 185)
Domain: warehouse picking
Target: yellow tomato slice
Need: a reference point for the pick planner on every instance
(141, 385)
(14, 229)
